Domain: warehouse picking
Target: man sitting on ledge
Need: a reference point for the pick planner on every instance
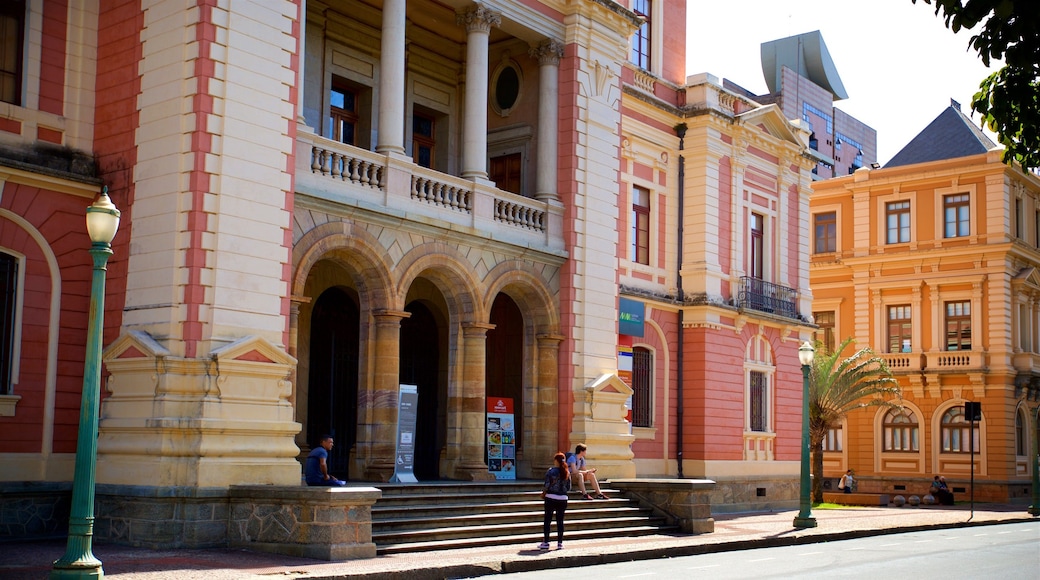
(317, 469)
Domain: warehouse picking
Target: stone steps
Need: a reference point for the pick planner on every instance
(441, 516)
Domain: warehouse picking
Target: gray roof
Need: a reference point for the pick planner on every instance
(952, 134)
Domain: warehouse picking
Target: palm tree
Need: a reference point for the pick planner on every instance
(838, 386)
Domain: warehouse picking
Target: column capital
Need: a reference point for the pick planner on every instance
(548, 339)
(476, 329)
(478, 19)
(547, 53)
(387, 314)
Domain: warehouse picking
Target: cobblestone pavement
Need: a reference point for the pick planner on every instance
(32, 560)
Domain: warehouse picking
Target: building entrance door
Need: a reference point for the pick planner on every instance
(422, 358)
(333, 384)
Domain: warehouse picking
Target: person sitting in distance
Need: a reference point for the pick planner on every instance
(316, 471)
(582, 474)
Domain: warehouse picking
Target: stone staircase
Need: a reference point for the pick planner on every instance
(447, 515)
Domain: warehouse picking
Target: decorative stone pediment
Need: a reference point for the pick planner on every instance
(252, 349)
(135, 344)
(771, 121)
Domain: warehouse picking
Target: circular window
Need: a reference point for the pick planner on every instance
(507, 88)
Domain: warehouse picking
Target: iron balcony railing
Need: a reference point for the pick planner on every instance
(765, 296)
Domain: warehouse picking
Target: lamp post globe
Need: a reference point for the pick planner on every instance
(79, 560)
(804, 519)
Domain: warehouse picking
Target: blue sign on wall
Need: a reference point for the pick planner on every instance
(630, 321)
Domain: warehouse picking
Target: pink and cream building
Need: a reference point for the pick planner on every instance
(323, 200)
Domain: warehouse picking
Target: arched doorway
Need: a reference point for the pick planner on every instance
(333, 385)
(423, 350)
(504, 370)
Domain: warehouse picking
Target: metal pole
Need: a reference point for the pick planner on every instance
(79, 560)
(1034, 510)
(971, 457)
(804, 518)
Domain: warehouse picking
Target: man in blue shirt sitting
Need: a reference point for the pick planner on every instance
(316, 471)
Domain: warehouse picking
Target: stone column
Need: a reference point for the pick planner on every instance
(294, 342)
(391, 79)
(545, 432)
(471, 405)
(548, 54)
(377, 404)
(478, 23)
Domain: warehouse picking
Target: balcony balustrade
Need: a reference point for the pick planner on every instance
(955, 360)
(902, 362)
(765, 296)
(390, 184)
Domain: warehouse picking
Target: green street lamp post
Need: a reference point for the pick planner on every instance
(79, 560)
(1034, 510)
(804, 518)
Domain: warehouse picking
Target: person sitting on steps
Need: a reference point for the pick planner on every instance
(582, 474)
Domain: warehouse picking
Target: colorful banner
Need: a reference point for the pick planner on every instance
(407, 407)
(501, 438)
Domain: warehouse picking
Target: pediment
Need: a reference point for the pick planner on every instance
(135, 344)
(609, 383)
(253, 349)
(770, 120)
(1028, 276)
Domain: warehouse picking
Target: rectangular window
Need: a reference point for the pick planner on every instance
(505, 171)
(958, 325)
(640, 225)
(12, 38)
(955, 216)
(897, 220)
(757, 403)
(8, 295)
(900, 328)
(423, 139)
(1036, 229)
(641, 39)
(1018, 218)
(642, 387)
(832, 440)
(757, 246)
(825, 334)
(343, 114)
(825, 230)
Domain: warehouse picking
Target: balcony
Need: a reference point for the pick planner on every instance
(955, 360)
(765, 296)
(902, 362)
(393, 185)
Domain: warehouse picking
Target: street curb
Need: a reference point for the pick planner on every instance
(489, 568)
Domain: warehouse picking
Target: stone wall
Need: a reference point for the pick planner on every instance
(311, 522)
(34, 510)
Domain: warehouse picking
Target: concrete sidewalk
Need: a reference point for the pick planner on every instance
(32, 560)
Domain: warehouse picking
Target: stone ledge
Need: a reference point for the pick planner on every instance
(684, 502)
(325, 523)
(856, 498)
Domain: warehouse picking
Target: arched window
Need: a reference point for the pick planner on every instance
(8, 313)
(642, 387)
(901, 431)
(955, 430)
(1021, 446)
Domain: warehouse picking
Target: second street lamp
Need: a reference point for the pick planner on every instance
(804, 519)
(79, 560)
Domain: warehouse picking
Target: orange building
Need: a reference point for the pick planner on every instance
(932, 261)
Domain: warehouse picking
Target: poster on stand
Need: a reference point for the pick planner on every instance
(408, 400)
(501, 438)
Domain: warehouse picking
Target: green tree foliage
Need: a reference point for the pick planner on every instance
(838, 386)
(1009, 99)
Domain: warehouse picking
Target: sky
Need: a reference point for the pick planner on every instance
(899, 63)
